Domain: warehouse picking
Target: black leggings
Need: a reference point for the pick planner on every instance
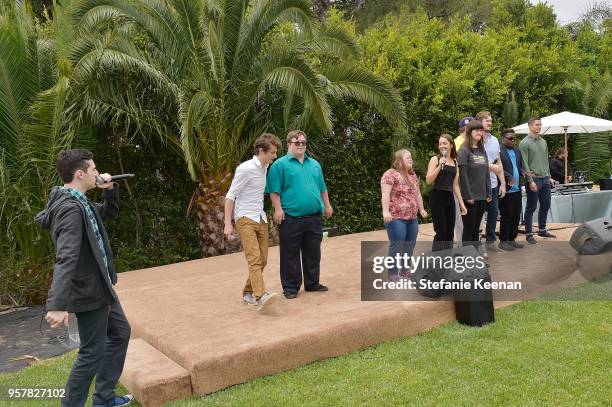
(442, 207)
(471, 222)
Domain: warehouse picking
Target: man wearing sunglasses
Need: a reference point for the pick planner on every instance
(299, 195)
(510, 205)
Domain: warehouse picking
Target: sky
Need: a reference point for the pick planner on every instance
(569, 10)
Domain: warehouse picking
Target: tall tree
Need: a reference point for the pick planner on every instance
(592, 152)
(34, 95)
(217, 70)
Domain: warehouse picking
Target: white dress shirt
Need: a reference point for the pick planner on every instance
(491, 145)
(247, 190)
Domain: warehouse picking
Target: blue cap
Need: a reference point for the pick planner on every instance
(463, 122)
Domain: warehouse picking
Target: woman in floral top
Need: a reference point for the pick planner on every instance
(401, 199)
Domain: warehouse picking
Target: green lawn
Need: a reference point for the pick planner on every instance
(537, 353)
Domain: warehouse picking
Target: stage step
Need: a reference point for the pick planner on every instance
(152, 377)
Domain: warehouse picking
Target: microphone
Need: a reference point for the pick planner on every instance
(444, 152)
(100, 180)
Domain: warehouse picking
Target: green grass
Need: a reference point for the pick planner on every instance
(554, 353)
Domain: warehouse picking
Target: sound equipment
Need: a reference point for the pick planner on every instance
(473, 302)
(593, 237)
(605, 184)
(572, 188)
(473, 305)
(478, 309)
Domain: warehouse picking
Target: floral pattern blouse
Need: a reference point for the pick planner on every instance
(403, 198)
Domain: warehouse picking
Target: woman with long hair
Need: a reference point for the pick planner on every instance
(442, 173)
(475, 182)
(401, 200)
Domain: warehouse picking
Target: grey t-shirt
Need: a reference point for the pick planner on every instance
(473, 174)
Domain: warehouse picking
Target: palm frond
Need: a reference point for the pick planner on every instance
(18, 73)
(592, 154)
(194, 112)
(286, 70)
(601, 96)
(350, 81)
(333, 40)
(264, 17)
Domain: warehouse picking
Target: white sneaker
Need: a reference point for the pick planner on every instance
(265, 301)
(249, 299)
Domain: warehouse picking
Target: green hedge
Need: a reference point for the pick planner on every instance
(152, 227)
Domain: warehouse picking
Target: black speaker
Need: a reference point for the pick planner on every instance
(605, 184)
(473, 305)
(593, 237)
(475, 312)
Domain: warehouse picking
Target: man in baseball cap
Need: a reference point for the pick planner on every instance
(461, 138)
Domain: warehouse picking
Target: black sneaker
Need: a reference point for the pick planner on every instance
(530, 239)
(318, 287)
(290, 296)
(506, 246)
(516, 245)
(546, 233)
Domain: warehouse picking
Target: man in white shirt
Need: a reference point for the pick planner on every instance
(496, 172)
(245, 199)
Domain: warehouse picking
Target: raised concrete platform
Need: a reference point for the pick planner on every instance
(188, 318)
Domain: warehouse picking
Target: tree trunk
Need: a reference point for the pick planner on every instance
(208, 206)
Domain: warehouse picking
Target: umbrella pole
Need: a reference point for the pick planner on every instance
(566, 154)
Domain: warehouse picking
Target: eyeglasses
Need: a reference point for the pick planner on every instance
(511, 138)
(299, 143)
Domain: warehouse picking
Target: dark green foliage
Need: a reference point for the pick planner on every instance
(510, 111)
(354, 158)
(152, 228)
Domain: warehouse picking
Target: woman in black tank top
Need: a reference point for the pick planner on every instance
(442, 172)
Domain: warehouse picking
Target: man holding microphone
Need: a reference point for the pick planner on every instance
(83, 279)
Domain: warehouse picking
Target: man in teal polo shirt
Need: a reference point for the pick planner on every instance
(299, 195)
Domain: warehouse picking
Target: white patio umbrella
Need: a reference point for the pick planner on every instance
(568, 122)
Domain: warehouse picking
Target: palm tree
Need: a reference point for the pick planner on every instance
(211, 75)
(33, 101)
(592, 151)
(45, 84)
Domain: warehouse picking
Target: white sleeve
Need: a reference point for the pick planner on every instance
(241, 178)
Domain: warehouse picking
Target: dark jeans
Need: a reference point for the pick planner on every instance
(471, 222)
(510, 207)
(300, 235)
(402, 238)
(542, 195)
(492, 212)
(104, 335)
(442, 208)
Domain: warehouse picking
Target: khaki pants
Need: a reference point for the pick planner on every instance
(254, 237)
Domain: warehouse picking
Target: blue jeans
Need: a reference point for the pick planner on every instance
(492, 212)
(542, 195)
(402, 238)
